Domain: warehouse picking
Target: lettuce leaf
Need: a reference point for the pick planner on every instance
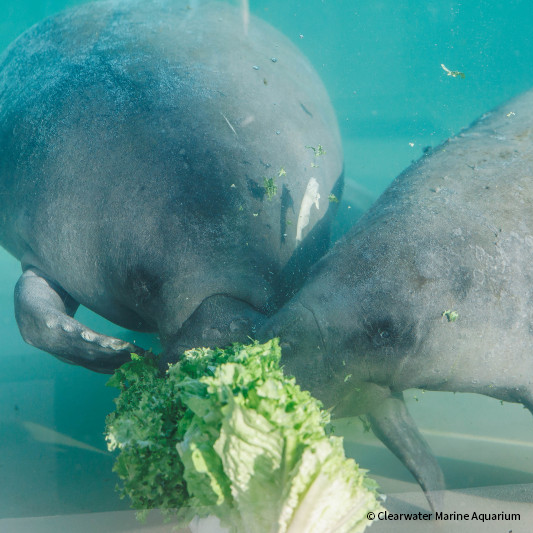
(226, 432)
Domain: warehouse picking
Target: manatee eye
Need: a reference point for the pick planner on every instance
(380, 332)
(388, 332)
(381, 337)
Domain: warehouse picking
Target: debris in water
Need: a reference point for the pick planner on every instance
(453, 73)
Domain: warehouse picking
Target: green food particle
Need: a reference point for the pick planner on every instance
(270, 187)
(347, 377)
(319, 150)
(333, 199)
(225, 432)
(452, 316)
(281, 172)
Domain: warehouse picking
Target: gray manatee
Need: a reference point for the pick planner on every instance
(158, 166)
(431, 289)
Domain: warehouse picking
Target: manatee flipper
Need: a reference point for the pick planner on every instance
(393, 425)
(44, 313)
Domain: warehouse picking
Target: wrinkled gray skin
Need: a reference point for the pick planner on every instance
(135, 138)
(454, 232)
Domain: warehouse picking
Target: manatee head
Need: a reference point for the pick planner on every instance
(386, 306)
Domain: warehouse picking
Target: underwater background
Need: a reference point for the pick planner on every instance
(381, 63)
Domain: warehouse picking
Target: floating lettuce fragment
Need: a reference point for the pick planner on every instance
(225, 432)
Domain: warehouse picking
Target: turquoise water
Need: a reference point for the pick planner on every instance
(381, 62)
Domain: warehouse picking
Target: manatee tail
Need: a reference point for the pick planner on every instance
(393, 425)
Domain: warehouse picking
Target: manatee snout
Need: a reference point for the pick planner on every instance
(218, 321)
(304, 354)
(293, 325)
(333, 340)
(352, 357)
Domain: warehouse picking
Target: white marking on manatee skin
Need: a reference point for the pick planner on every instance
(245, 8)
(229, 123)
(247, 121)
(311, 197)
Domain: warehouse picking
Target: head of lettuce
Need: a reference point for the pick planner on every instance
(225, 432)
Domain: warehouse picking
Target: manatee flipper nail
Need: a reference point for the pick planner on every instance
(393, 425)
(44, 313)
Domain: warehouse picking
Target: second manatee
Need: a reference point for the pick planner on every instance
(431, 289)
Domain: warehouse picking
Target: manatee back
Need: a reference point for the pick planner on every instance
(136, 140)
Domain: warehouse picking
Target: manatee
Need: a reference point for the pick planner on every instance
(158, 166)
(431, 289)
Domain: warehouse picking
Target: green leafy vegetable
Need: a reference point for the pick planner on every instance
(271, 188)
(319, 150)
(452, 316)
(225, 432)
